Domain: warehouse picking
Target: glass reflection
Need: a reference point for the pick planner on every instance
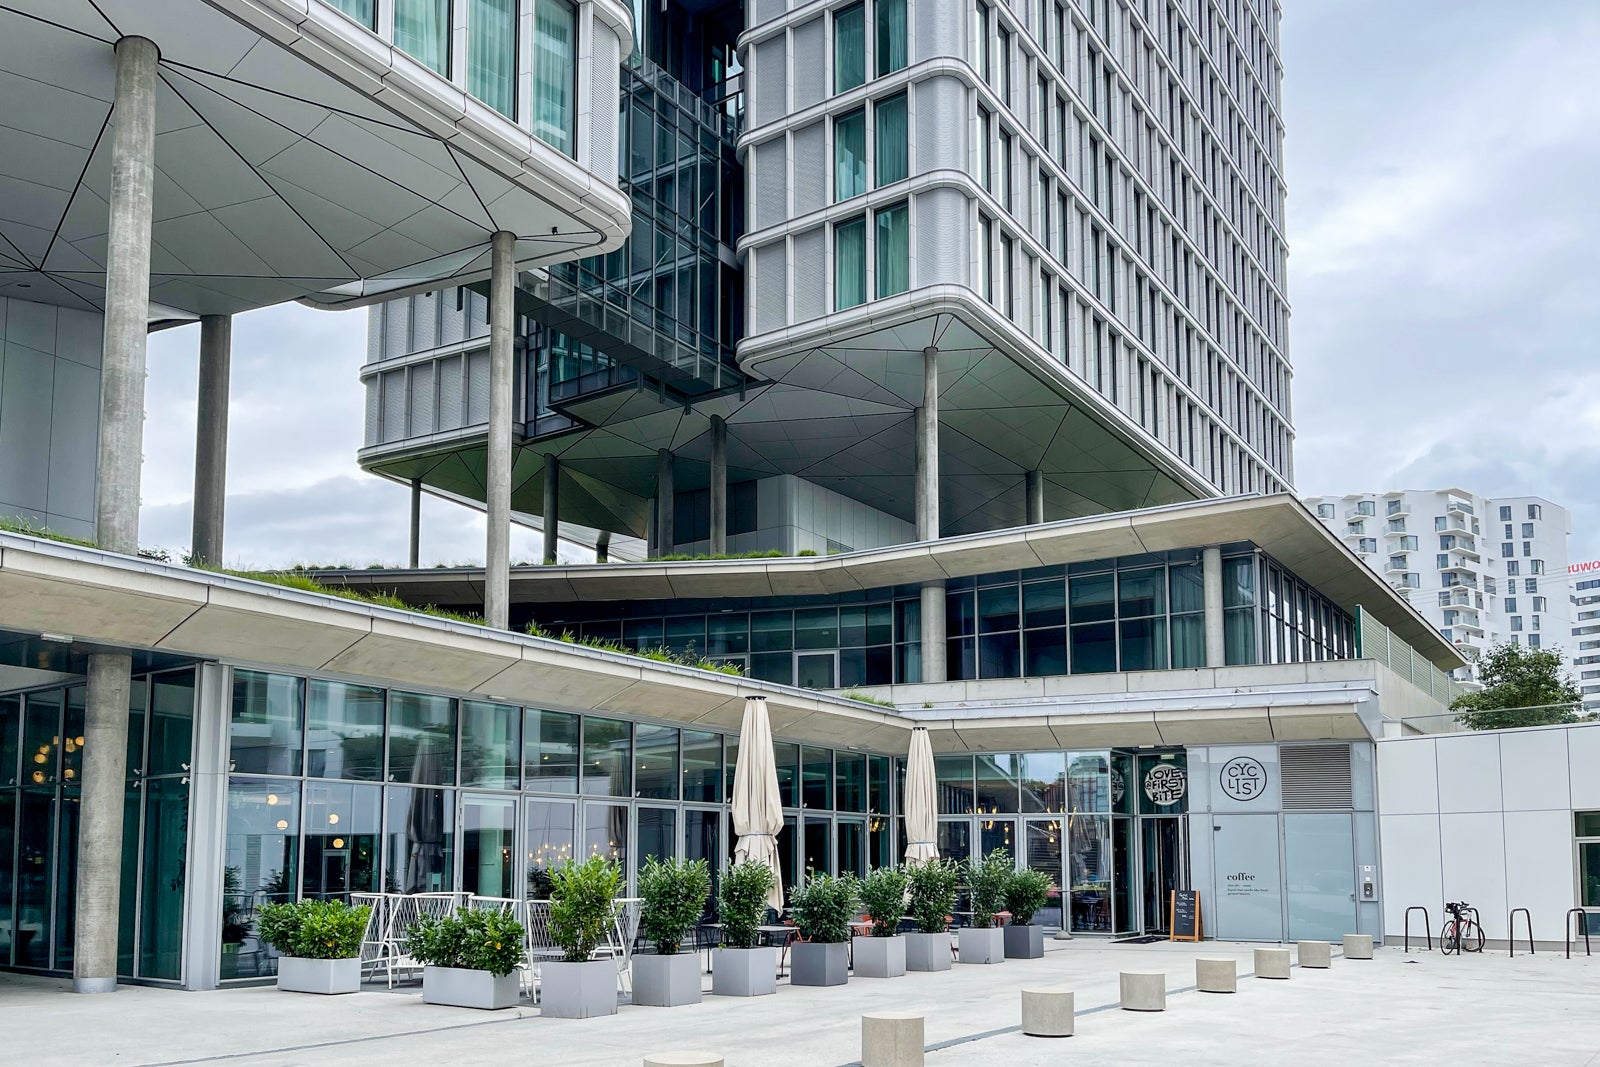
(268, 719)
(549, 842)
(420, 830)
(1089, 872)
(422, 739)
(344, 731)
(607, 766)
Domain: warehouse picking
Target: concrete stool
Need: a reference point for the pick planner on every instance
(1047, 1012)
(1216, 976)
(1358, 946)
(683, 1059)
(1272, 963)
(891, 1039)
(1317, 954)
(1144, 991)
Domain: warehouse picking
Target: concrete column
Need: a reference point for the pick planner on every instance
(719, 485)
(552, 506)
(121, 452)
(602, 546)
(502, 316)
(1033, 487)
(665, 541)
(1211, 575)
(928, 449)
(208, 827)
(414, 551)
(211, 438)
(934, 667)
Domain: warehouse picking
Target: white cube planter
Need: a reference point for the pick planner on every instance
(585, 990)
(463, 988)
(296, 975)
(666, 981)
(982, 945)
(815, 963)
(927, 952)
(1023, 942)
(879, 957)
(744, 972)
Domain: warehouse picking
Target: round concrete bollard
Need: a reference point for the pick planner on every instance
(1144, 991)
(683, 1059)
(1358, 946)
(891, 1039)
(1317, 954)
(1216, 976)
(1272, 963)
(1047, 1012)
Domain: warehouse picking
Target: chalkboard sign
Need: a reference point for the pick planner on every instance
(1184, 915)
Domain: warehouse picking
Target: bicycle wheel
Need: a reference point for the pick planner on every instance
(1448, 938)
(1471, 937)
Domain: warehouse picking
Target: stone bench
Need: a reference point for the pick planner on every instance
(1358, 946)
(1272, 963)
(1047, 1012)
(891, 1039)
(683, 1059)
(1144, 991)
(1317, 954)
(1216, 975)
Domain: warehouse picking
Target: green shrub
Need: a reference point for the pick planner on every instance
(471, 939)
(883, 897)
(583, 904)
(987, 881)
(314, 929)
(1026, 892)
(742, 904)
(674, 896)
(933, 894)
(823, 907)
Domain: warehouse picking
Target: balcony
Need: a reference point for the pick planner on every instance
(1357, 513)
(1396, 508)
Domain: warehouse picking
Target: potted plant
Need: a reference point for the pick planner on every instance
(883, 953)
(468, 959)
(674, 894)
(987, 879)
(318, 943)
(933, 895)
(583, 911)
(1026, 892)
(742, 968)
(822, 909)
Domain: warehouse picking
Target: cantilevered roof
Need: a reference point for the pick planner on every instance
(1279, 524)
(297, 155)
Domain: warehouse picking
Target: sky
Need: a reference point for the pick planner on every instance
(1441, 162)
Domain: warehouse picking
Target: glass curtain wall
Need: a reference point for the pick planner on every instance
(555, 66)
(422, 31)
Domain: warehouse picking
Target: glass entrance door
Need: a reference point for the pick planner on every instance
(1043, 852)
(1164, 860)
(488, 845)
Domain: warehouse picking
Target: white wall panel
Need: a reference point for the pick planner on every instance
(1583, 761)
(1533, 770)
(1408, 781)
(1411, 869)
(1469, 772)
(1472, 852)
(1540, 873)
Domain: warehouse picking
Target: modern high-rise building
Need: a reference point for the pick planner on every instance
(1584, 579)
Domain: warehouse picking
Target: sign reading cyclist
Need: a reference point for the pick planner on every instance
(1243, 778)
(1166, 783)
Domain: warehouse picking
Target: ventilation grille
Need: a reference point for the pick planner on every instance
(1315, 776)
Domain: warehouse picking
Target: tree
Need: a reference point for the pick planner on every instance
(1521, 687)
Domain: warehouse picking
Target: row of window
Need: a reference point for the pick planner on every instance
(886, 244)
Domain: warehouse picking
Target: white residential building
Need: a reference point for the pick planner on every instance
(1584, 581)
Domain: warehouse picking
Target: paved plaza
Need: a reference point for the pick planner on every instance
(1421, 1008)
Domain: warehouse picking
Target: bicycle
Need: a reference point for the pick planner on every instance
(1460, 933)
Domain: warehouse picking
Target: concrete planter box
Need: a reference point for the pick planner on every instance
(578, 990)
(296, 975)
(744, 972)
(927, 952)
(879, 957)
(666, 981)
(986, 945)
(818, 964)
(463, 988)
(1024, 942)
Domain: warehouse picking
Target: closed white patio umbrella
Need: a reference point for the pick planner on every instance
(921, 800)
(757, 804)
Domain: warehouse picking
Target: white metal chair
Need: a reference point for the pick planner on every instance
(374, 940)
(624, 929)
(403, 912)
(540, 945)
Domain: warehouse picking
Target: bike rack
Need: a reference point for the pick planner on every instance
(1512, 924)
(1583, 920)
(1476, 921)
(1427, 926)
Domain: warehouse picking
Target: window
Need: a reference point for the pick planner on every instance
(1505, 514)
(849, 263)
(889, 116)
(1516, 623)
(1535, 511)
(1530, 585)
(894, 250)
(1527, 548)
(985, 251)
(1536, 566)
(422, 31)
(1508, 550)
(1511, 604)
(1366, 507)
(1535, 622)
(1367, 544)
(1324, 511)
(1513, 567)
(1355, 527)
(1539, 603)
(1533, 639)
(1408, 543)
(850, 154)
(1441, 561)
(980, 41)
(1004, 45)
(555, 62)
(1527, 529)
(849, 48)
(891, 18)
(363, 11)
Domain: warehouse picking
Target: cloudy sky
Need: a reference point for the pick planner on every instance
(1441, 166)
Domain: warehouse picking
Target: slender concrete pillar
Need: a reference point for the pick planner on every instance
(552, 506)
(665, 541)
(602, 546)
(414, 548)
(502, 314)
(1033, 486)
(127, 303)
(934, 667)
(719, 485)
(211, 438)
(1211, 576)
